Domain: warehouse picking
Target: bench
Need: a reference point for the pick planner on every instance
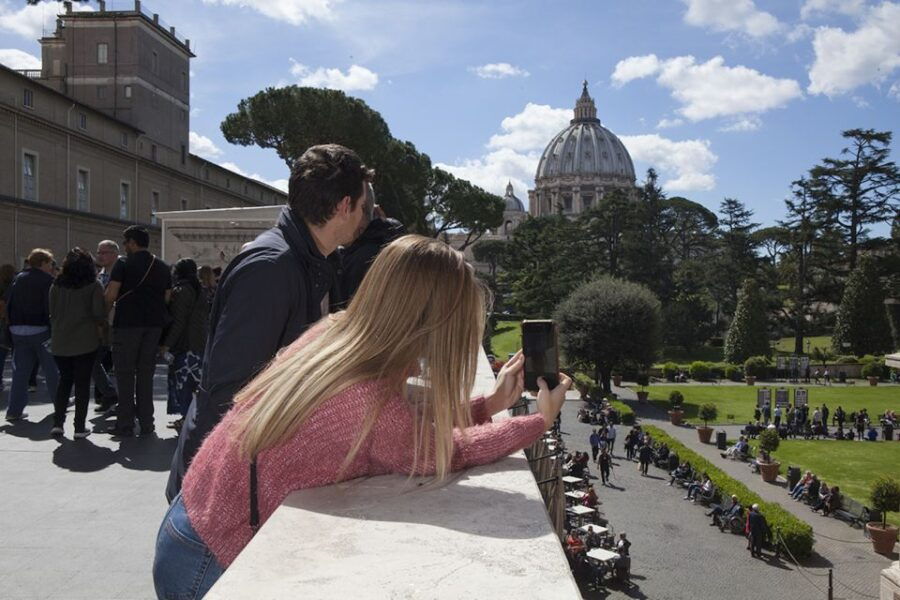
(853, 512)
(707, 497)
(735, 523)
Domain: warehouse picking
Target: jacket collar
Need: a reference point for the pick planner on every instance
(297, 235)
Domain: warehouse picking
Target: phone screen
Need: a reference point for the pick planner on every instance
(539, 345)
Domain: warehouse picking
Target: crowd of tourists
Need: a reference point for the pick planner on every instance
(792, 421)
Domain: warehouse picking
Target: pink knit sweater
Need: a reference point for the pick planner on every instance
(216, 487)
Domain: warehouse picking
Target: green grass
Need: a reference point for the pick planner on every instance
(786, 344)
(507, 338)
(851, 465)
(740, 400)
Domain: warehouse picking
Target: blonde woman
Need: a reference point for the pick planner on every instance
(333, 406)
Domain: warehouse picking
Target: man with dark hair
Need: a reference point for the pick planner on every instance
(279, 285)
(28, 310)
(139, 287)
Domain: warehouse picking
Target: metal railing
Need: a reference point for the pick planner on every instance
(30, 73)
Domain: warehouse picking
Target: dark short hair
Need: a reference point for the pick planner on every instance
(138, 234)
(38, 257)
(78, 269)
(185, 268)
(322, 177)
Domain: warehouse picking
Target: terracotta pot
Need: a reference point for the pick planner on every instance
(642, 396)
(873, 381)
(769, 471)
(883, 540)
(751, 379)
(617, 380)
(675, 416)
(704, 433)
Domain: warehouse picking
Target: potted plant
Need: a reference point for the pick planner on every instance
(617, 378)
(643, 380)
(755, 367)
(872, 371)
(885, 497)
(676, 400)
(708, 412)
(768, 443)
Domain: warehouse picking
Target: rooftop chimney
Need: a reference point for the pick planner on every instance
(187, 44)
(102, 4)
(68, 7)
(137, 6)
(156, 18)
(172, 30)
(59, 27)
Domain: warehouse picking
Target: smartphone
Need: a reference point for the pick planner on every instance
(540, 347)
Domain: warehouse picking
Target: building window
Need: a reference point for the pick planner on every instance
(128, 91)
(56, 67)
(228, 182)
(153, 152)
(245, 188)
(587, 201)
(183, 154)
(154, 62)
(183, 116)
(183, 81)
(206, 173)
(29, 176)
(124, 140)
(82, 190)
(102, 53)
(154, 206)
(28, 98)
(101, 92)
(82, 121)
(184, 204)
(124, 199)
(567, 203)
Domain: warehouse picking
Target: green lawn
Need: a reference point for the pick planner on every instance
(851, 465)
(820, 341)
(740, 400)
(507, 338)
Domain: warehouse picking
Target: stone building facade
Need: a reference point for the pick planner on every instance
(98, 138)
(581, 164)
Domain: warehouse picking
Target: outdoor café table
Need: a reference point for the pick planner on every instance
(575, 495)
(580, 512)
(602, 555)
(572, 481)
(597, 529)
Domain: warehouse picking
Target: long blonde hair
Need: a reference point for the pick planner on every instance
(419, 304)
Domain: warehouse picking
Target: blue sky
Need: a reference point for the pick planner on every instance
(724, 97)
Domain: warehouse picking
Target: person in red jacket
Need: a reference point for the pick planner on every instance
(335, 405)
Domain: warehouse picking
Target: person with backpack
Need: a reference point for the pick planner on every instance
(186, 336)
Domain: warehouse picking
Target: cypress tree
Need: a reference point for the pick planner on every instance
(862, 321)
(748, 333)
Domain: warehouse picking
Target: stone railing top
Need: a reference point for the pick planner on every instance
(485, 533)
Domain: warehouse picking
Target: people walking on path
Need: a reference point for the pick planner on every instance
(594, 441)
(107, 255)
(77, 309)
(28, 309)
(7, 274)
(605, 462)
(611, 434)
(645, 455)
(139, 288)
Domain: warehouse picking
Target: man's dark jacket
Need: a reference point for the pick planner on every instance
(267, 297)
(28, 298)
(352, 263)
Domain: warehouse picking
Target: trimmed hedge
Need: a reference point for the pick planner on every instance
(669, 370)
(797, 534)
(758, 366)
(700, 370)
(626, 414)
(874, 368)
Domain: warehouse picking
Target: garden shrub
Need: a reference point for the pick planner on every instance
(699, 370)
(874, 368)
(732, 372)
(642, 380)
(676, 399)
(866, 359)
(757, 366)
(626, 414)
(846, 359)
(669, 370)
(769, 440)
(796, 535)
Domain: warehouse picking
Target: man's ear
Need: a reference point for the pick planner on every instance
(344, 207)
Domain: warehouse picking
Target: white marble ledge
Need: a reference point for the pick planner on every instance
(485, 533)
(890, 582)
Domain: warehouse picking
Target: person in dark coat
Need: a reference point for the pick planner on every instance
(645, 455)
(605, 462)
(276, 288)
(758, 530)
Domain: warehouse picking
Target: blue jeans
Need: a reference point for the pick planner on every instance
(183, 568)
(28, 351)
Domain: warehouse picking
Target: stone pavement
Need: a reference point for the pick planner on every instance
(838, 545)
(80, 516)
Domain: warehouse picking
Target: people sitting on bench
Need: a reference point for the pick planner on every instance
(830, 502)
(682, 471)
(722, 514)
(699, 488)
(871, 434)
(801, 486)
(738, 451)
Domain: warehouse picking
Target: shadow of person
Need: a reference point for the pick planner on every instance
(82, 456)
(140, 454)
(35, 431)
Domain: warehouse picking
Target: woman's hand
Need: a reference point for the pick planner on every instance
(510, 385)
(549, 402)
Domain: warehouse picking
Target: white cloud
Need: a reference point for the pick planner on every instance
(295, 12)
(30, 20)
(845, 7)
(868, 55)
(17, 59)
(688, 162)
(860, 102)
(498, 71)
(634, 67)
(746, 123)
(666, 123)
(712, 89)
(531, 129)
(894, 92)
(203, 146)
(356, 77)
(281, 184)
(731, 15)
